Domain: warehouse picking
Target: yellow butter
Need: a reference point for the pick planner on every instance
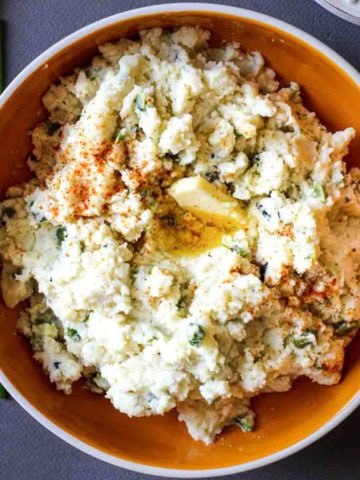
(208, 202)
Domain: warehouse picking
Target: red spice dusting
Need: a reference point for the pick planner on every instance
(54, 210)
(287, 232)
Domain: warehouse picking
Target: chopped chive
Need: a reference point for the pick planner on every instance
(301, 342)
(120, 135)
(319, 192)
(343, 328)
(197, 336)
(141, 102)
(61, 234)
(304, 340)
(318, 365)
(240, 251)
(243, 424)
(73, 334)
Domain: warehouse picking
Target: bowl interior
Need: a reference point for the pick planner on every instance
(282, 419)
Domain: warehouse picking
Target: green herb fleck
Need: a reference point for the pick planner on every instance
(120, 136)
(343, 328)
(318, 365)
(82, 246)
(319, 192)
(73, 334)
(197, 335)
(238, 134)
(303, 341)
(141, 102)
(61, 234)
(9, 212)
(243, 424)
(240, 251)
(52, 127)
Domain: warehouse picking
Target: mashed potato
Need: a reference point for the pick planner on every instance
(190, 237)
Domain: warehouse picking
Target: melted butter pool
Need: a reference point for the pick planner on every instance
(187, 235)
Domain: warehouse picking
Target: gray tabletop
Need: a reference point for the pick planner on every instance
(27, 450)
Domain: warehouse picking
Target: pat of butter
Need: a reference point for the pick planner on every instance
(208, 202)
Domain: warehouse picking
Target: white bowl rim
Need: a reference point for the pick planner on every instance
(19, 79)
(342, 11)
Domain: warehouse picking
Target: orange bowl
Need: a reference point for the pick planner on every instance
(286, 422)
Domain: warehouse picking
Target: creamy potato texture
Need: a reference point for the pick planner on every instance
(190, 238)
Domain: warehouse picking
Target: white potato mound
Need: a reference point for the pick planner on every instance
(132, 284)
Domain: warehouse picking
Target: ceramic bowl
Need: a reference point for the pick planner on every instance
(286, 422)
(343, 8)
